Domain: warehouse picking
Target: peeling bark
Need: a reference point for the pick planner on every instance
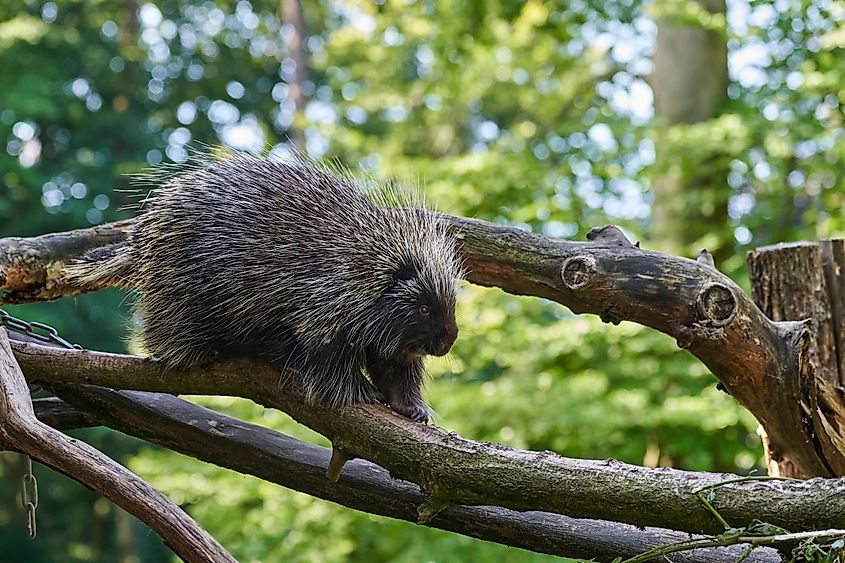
(31, 268)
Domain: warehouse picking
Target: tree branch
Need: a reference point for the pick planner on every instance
(55, 412)
(690, 300)
(31, 268)
(20, 430)
(451, 470)
(247, 448)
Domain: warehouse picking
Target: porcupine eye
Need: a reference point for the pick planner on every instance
(424, 310)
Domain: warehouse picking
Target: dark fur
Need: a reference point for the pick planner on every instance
(291, 263)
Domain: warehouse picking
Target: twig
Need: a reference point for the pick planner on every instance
(735, 539)
(729, 537)
(706, 501)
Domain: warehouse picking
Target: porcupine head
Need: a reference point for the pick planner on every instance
(296, 263)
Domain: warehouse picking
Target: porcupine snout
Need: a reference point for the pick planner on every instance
(444, 340)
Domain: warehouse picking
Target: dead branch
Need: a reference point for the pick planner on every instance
(753, 357)
(31, 268)
(204, 434)
(22, 431)
(453, 471)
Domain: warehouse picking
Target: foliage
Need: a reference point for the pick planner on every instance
(532, 113)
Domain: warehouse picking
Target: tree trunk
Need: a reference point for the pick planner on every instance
(290, 12)
(690, 81)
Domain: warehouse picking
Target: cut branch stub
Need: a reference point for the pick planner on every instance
(706, 259)
(336, 463)
(716, 305)
(577, 271)
(434, 500)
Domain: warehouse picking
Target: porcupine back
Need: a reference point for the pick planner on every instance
(281, 260)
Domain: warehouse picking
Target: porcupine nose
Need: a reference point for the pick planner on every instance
(445, 339)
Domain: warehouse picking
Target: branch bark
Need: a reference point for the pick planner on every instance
(451, 470)
(690, 300)
(31, 268)
(204, 434)
(22, 431)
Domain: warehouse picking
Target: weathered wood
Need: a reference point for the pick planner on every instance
(204, 434)
(31, 268)
(833, 261)
(703, 309)
(22, 431)
(803, 281)
(54, 412)
(452, 470)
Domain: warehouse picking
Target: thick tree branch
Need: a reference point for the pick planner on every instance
(22, 431)
(452, 470)
(228, 442)
(755, 358)
(706, 312)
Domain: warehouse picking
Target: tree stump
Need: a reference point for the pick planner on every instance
(806, 282)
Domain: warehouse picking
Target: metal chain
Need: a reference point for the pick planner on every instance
(38, 331)
(29, 497)
(43, 333)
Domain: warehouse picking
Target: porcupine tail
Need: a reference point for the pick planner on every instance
(107, 266)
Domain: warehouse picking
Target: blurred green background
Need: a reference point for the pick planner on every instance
(551, 116)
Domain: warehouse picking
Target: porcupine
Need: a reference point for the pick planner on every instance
(296, 264)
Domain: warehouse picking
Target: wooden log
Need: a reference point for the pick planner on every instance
(754, 358)
(455, 471)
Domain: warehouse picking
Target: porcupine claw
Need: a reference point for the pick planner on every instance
(417, 412)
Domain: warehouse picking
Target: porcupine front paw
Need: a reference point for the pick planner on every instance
(418, 411)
